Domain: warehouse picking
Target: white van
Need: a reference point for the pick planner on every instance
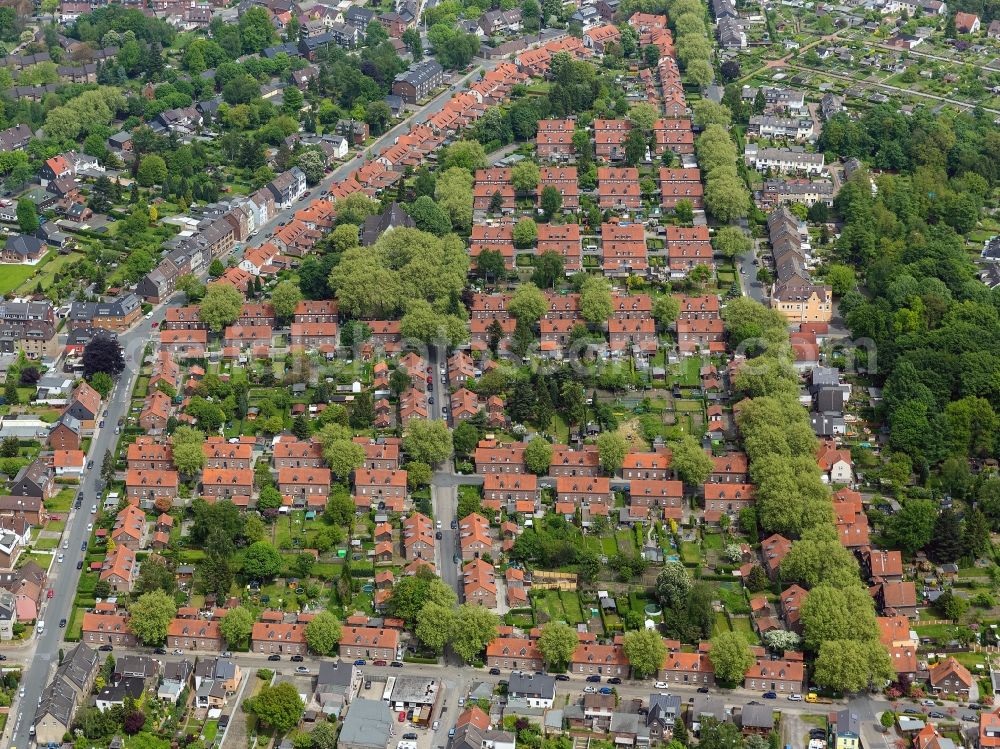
(40, 626)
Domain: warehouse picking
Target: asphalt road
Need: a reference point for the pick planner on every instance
(42, 657)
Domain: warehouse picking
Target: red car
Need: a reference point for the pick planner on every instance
(378, 663)
(402, 716)
(50, 593)
(156, 324)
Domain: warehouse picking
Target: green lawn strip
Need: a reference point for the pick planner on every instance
(721, 624)
(55, 526)
(712, 541)
(46, 544)
(12, 276)
(571, 605)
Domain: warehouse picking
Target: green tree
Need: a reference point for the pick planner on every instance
(946, 540)
(475, 628)
(549, 268)
(524, 176)
(411, 593)
(453, 192)
(612, 448)
(220, 307)
(538, 455)
(236, 626)
(189, 458)
(849, 666)
(344, 456)
(645, 651)
(27, 216)
(464, 154)
(429, 216)
(811, 562)
(837, 614)
(557, 643)
(193, 289)
(595, 299)
(278, 706)
(150, 616)
(525, 233)
(692, 463)
(152, 170)
(428, 441)
(673, 584)
(261, 561)
(435, 625)
(707, 112)
(528, 304)
(841, 278)
(635, 147)
(731, 241)
(731, 657)
(340, 510)
(550, 202)
(323, 633)
(912, 528)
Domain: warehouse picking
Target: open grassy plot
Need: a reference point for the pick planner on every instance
(12, 276)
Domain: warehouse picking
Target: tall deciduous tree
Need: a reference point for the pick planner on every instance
(645, 651)
(150, 616)
(220, 307)
(557, 643)
(731, 657)
(323, 633)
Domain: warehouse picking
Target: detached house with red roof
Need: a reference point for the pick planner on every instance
(479, 584)
(951, 678)
(609, 139)
(130, 528)
(623, 249)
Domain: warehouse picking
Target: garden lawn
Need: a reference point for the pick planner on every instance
(721, 624)
(690, 372)
(571, 606)
(742, 625)
(62, 501)
(12, 276)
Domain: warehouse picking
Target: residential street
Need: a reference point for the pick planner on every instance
(41, 655)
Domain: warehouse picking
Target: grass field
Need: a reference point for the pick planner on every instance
(12, 276)
(560, 605)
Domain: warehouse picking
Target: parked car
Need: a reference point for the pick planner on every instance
(614, 680)
(562, 677)
(928, 703)
(302, 670)
(494, 672)
(297, 658)
(360, 662)
(274, 657)
(605, 690)
(703, 690)
(402, 716)
(936, 714)
(409, 737)
(396, 664)
(106, 648)
(62, 624)
(589, 690)
(160, 651)
(795, 697)
(378, 663)
(594, 678)
(770, 695)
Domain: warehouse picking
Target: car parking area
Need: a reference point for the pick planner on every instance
(406, 734)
